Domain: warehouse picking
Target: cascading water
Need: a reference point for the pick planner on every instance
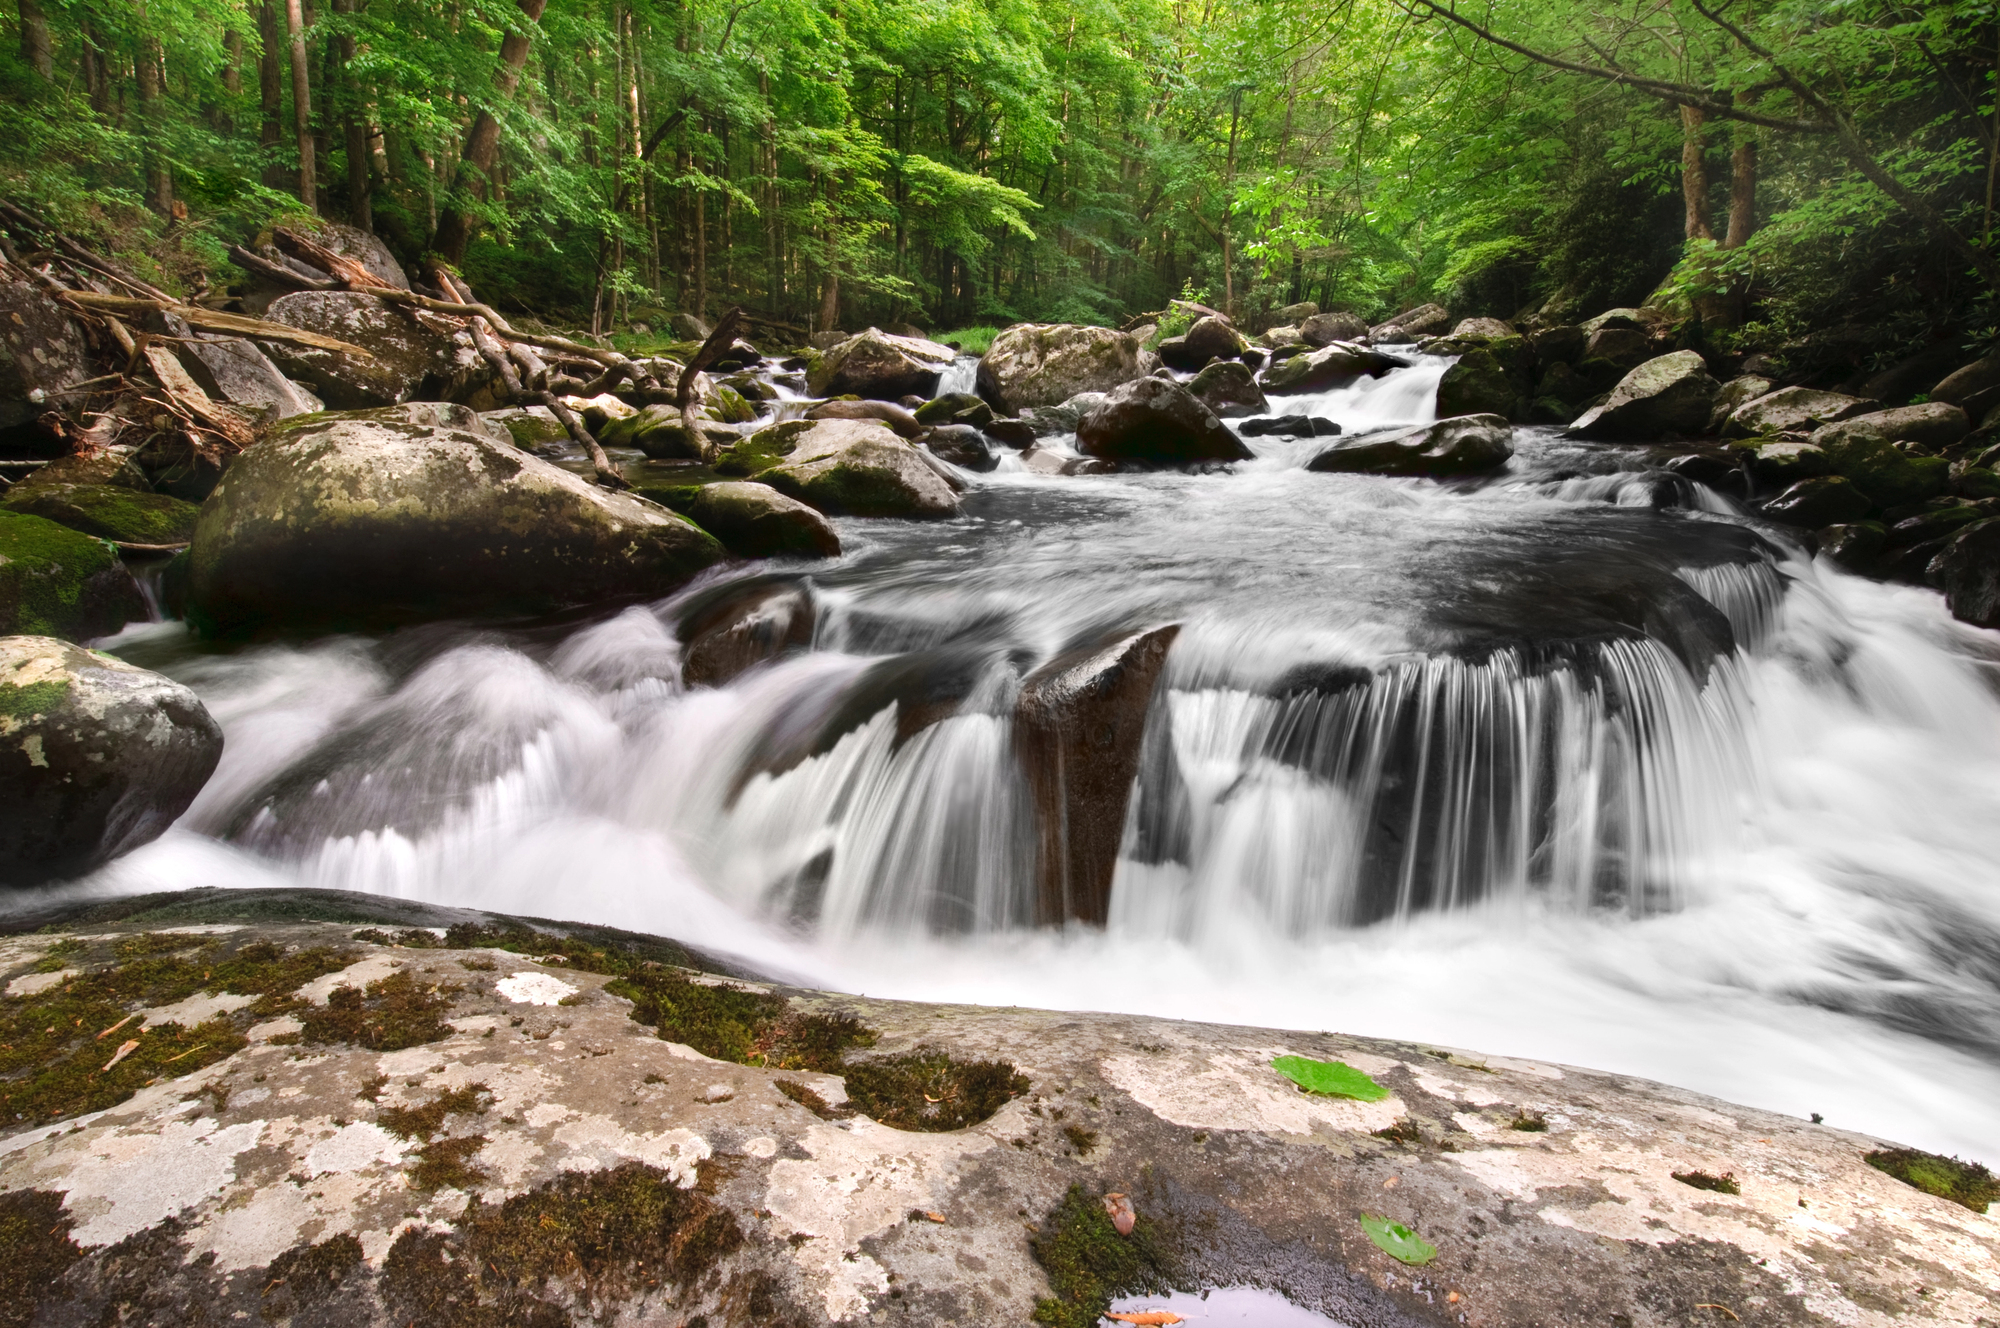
(1570, 762)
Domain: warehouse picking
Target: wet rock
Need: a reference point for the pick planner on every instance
(108, 511)
(961, 445)
(1294, 426)
(1712, 468)
(1047, 461)
(1465, 445)
(1877, 467)
(1967, 570)
(955, 408)
(1974, 481)
(56, 582)
(1736, 392)
(1327, 328)
(415, 354)
(1783, 463)
(1155, 421)
(365, 518)
(531, 427)
(740, 625)
(1228, 388)
(1017, 434)
(1930, 427)
(1426, 320)
(860, 468)
(1793, 409)
(1671, 394)
(44, 352)
(1078, 725)
(1209, 339)
(876, 365)
(96, 757)
(896, 417)
(1855, 545)
(1477, 385)
(756, 521)
(1038, 365)
(660, 433)
(234, 371)
(1622, 346)
(1825, 500)
(1327, 367)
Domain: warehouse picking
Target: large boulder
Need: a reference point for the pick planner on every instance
(56, 582)
(1672, 394)
(1325, 329)
(364, 518)
(41, 353)
(955, 408)
(659, 432)
(233, 371)
(1930, 427)
(1738, 391)
(1481, 329)
(412, 353)
(108, 511)
(1078, 725)
(96, 757)
(1558, 345)
(1426, 320)
(531, 427)
(1208, 340)
(1156, 421)
(1328, 367)
(961, 445)
(896, 417)
(1294, 314)
(1045, 364)
(731, 628)
(1877, 467)
(1461, 446)
(856, 468)
(1961, 386)
(1228, 388)
(756, 521)
(1793, 409)
(876, 365)
(1478, 384)
(1967, 570)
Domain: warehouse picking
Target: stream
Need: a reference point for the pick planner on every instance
(1573, 761)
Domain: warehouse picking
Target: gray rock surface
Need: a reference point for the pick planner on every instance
(1326, 367)
(896, 417)
(1793, 408)
(1045, 364)
(311, 1179)
(372, 516)
(414, 354)
(96, 757)
(1930, 427)
(860, 468)
(756, 521)
(1968, 571)
(1463, 445)
(1325, 329)
(233, 370)
(1738, 391)
(876, 365)
(41, 352)
(1155, 421)
(1670, 394)
(1426, 320)
(1228, 388)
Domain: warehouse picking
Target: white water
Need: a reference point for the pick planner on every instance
(1778, 881)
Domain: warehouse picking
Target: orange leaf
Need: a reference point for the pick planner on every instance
(1147, 1317)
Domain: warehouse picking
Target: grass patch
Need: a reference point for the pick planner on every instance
(1966, 1183)
(1080, 1139)
(968, 340)
(393, 1013)
(35, 1250)
(931, 1091)
(59, 956)
(442, 1163)
(1089, 1264)
(1701, 1180)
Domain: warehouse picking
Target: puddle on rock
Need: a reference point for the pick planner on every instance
(1245, 1307)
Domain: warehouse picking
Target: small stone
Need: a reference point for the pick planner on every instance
(717, 1093)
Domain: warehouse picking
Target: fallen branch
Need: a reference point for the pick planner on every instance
(276, 273)
(720, 340)
(343, 269)
(495, 355)
(214, 320)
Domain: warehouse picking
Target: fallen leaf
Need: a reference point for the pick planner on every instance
(115, 1027)
(1123, 1216)
(1390, 1183)
(935, 1217)
(1398, 1241)
(1147, 1317)
(1452, 1298)
(1332, 1078)
(124, 1051)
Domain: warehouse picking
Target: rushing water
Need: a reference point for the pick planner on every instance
(1570, 762)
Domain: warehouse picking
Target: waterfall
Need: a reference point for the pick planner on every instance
(960, 376)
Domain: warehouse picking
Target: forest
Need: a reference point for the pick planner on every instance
(1797, 171)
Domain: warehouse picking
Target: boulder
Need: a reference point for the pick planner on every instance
(756, 521)
(1016, 434)
(961, 445)
(1481, 329)
(1635, 320)
(96, 758)
(658, 432)
(1228, 388)
(41, 353)
(1564, 384)
(1077, 728)
(357, 519)
(1156, 421)
(1285, 334)
(1462, 446)
(108, 511)
(1209, 339)
(1426, 320)
(1476, 385)
(1825, 500)
(1045, 364)
(1967, 570)
(1930, 427)
(1621, 346)
(600, 412)
(738, 625)
(1672, 394)
(1325, 329)
(896, 417)
(1292, 426)
(531, 427)
(1327, 367)
(365, 248)
(856, 468)
(955, 408)
(56, 582)
(1558, 345)
(415, 354)
(690, 327)
(1736, 392)
(1960, 386)
(107, 467)
(1781, 463)
(1853, 545)
(232, 370)
(1888, 476)
(1793, 409)
(1295, 314)
(876, 365)
(1974, 481)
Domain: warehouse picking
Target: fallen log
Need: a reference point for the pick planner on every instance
(343, 269)
(720, 340)
(276, 273)
(214, 320)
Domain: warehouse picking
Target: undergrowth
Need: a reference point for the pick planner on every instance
(733, 1023)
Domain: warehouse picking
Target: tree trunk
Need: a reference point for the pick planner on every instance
(270, 90)
(146, 66)
(36, 51)
(1742, 194)
(295, 26)
(482, 142)
(1694, 173)
(354, 131)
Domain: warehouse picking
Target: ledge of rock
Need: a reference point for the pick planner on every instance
(469, 1118)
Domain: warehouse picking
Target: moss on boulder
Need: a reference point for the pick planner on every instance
(109, 511)
(56, 582)
(860, 468)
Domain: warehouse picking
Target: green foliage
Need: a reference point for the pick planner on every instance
(1333, 1078)
(1966, 1183)
(1398, 1241)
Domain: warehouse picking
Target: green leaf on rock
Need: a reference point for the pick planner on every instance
(1334, 1078)
(1398, 1241)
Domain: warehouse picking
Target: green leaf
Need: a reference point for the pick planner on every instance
(1398, 1241)
(1333, 1078)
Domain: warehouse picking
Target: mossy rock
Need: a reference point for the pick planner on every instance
(1477, 385)
(659, 433)
(762, 450)
(728, 407)
(756, 521)
(110, 511)
(56, 582)
(1089, 1264)
(1965, 1183)
(1875, 466)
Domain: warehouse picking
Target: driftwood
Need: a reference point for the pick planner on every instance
(495, 355)
(276, 273)
(214, 320)
(720, 340)
(344, 270)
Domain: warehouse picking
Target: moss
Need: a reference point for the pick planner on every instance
(1080, 1139)
(35, 1250)
(809, 1099)
(37, 698)
(1530, 1122)
(1701, 1180)
(426, 1119)
(1965, 1183)
(931, 1090)
(111, 511)
(1089, 1263)
(446, 1164)
(394, 1013)
(43, 571)
(635, 955)
(673, 497)
(307, 1274)
(761, 450)
(1404, 1131)
(58, 956)
(732, 1023)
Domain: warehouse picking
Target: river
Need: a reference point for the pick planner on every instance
(1453, 762)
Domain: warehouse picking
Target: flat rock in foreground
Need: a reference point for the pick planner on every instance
(521, 1148)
